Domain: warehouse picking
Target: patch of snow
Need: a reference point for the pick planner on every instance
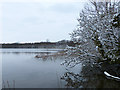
(107, 74)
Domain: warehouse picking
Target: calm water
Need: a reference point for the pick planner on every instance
(22, 70)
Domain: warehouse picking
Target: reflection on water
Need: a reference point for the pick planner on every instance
(22, 70)
(29, 51)
(22, 50)
(29, 72)
(26, 52)
(74, 80)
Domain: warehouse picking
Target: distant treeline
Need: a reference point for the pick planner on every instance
(59, 44)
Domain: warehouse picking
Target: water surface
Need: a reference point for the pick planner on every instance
(20, 67)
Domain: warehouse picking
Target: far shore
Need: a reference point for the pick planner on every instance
(59, 44)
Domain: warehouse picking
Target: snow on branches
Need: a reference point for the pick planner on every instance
(96, 37)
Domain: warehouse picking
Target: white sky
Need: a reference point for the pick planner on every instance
(24, 21)
(43, 1)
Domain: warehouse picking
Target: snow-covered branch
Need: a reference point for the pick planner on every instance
(96, 36)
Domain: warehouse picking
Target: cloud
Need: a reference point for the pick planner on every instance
(39, 21)
(65, 8)
(44, 1)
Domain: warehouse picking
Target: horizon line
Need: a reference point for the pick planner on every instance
(32, 41)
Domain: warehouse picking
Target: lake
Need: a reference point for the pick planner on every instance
(20, 69)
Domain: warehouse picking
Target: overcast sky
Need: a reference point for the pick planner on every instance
(36, 22)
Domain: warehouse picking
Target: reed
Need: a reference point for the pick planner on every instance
(6, 84)
(54, 55)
